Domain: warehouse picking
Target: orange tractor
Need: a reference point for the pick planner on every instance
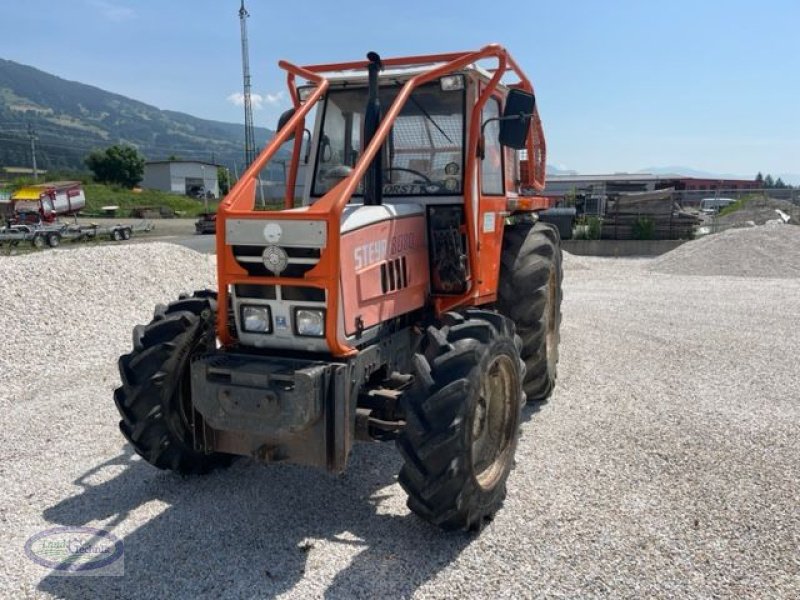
(409, 290)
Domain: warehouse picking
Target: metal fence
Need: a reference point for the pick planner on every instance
(683, 214)
(754, 208)
(693, 198)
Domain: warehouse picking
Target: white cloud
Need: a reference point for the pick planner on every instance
(113, 12)
(258, 101)
(237, 99)
(275, 99)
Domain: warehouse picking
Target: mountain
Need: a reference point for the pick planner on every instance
(70, 119)
(552, 170)
(789, 178)
(689, 172)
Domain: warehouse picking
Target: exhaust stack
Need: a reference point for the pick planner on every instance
(373, 181)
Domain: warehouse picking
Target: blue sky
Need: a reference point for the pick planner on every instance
(621, 85)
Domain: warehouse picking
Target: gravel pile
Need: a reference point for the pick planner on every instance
(765, 251)
(665, 465)
(91, 297)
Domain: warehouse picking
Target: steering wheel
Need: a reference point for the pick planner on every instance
(412, 171)
(336, 173)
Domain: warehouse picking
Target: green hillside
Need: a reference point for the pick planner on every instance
(99, 195)
(71, 119)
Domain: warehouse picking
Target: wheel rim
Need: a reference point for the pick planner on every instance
(493, 421)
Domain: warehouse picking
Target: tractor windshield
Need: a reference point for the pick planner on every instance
(424, 153)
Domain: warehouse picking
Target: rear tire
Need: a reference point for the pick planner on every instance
(462, 420)
(116, 235)
(126, 234)
(38, 242)
(530, 295)
(155, 397)
(53, 240)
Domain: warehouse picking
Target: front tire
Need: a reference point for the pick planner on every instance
(462, 420)
(529, 294)
(155, 397)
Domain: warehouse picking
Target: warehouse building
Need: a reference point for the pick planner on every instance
(642, 182)
(191, 178)
(595, 190)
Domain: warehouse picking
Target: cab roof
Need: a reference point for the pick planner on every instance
(403, 67)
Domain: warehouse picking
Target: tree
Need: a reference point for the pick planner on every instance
(122, 165)
(779, 184)
(760, 179)
(224, 180)
(768, 181)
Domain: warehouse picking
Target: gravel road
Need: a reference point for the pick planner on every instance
(665, 465)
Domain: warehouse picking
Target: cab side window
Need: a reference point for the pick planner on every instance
(492, 163)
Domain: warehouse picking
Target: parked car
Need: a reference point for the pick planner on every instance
(711, 206)
(207, 223)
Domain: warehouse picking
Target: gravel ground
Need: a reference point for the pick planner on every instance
(665, 465)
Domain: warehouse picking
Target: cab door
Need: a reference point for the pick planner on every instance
(492, 203)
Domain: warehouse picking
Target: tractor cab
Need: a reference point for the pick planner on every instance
(405, 162)
(424, 158)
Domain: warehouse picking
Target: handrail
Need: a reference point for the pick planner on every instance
(407, 61)
(291, 180)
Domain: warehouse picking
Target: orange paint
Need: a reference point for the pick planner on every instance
(375, 296)
(356, 291)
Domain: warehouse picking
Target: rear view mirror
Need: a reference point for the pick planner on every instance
(284, 119)
(516, 119)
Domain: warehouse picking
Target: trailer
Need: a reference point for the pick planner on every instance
(48, 201)
(44, 234)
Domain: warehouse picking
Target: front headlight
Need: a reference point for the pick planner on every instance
(308, 321)
(256, 319)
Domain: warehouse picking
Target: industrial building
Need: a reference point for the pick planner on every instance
(559, 185)
(191, 178)
(595, 190)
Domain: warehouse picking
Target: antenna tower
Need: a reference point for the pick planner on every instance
(249, 135)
